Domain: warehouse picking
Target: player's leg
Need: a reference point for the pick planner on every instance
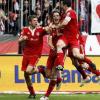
(78, 55)
(89, 68)
(86, 78)
(53, 72)
(78, 67)
(50, 63)
(30, 69)
(57, 75)
(42, 69)
(25, 63)
(29, 85)
(51, 86)
(53, 75)
(76, 64)
(59, 62)
(32, 61)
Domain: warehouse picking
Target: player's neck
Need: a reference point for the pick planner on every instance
(32, 27)
(56, 23)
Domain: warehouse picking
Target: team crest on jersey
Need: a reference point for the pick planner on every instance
(37, 33)
(28, 33)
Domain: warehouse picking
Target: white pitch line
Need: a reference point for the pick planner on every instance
(74, 95)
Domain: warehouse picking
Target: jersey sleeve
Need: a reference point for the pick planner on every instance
(43, 32)
(71, 14)
(23, 32)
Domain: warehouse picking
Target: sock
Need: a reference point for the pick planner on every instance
(94, 71)
(82, 72)
(31, 90)
(42, 70)
(50, 88)
(59, 79)
(59, 60)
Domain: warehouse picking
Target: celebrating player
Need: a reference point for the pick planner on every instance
(51, 71)
(31, 38)
(69, 38)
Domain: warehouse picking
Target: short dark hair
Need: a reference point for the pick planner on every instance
(67, 2)
(30, 17)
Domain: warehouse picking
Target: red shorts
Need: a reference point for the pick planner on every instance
(51, 59)
(72, 42)
(70, 54)
(29, 60)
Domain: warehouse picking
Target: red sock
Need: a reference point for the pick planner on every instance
(59, 79)
(42, 70)
(60, 59)
(94, 71)
(31, 90)
(87, 60)
(50, 88)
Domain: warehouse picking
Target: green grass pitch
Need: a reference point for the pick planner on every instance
(52, 97)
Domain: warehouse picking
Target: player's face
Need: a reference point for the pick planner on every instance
(56, 18)
(34, 22)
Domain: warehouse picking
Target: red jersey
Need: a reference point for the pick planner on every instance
(55, 36)
(34, 44)
(71, 29)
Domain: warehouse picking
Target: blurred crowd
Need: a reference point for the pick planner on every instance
(10, 13)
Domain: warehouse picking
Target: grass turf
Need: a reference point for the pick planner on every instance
(52, 97)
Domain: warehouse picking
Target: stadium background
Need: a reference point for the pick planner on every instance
(14, 16)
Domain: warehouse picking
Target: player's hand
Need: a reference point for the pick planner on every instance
(51, 46)
(23, 38)
(52, 26)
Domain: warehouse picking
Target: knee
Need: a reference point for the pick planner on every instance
(28, 72)
(60, 45)
(75, 54)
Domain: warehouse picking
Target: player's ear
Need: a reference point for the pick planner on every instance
(29, 22)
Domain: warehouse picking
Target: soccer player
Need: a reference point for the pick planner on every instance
(84, 64)
(51, 71)
(80, 65)
(53, 53)
(69, 37)
(31, 37)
